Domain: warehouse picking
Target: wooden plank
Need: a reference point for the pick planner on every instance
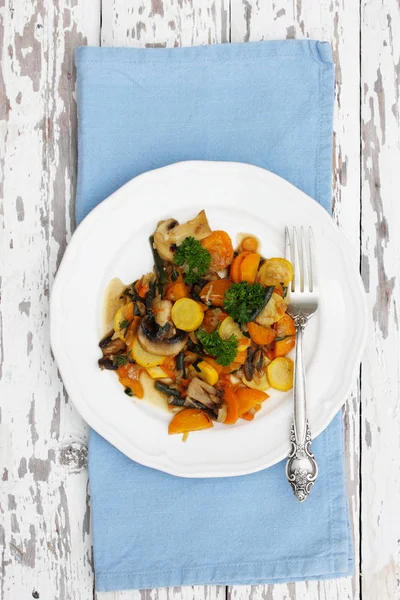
(46, 547)
(159, 23)
(380, 79)
(337, 22)
(164, 23)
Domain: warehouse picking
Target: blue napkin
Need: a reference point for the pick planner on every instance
(269, 104)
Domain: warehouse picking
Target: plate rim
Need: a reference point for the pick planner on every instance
(101, 426)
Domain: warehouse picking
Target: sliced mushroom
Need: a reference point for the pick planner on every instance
(114, 347)
(258, 362)
(108, 364)
(170, 233)
(249, 364)
(164, 341)
(203, 392)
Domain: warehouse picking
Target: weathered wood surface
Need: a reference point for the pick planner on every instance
(45, 518)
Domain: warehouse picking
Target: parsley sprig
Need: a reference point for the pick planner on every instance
(244, 300)
(193, 258)
(224, 351)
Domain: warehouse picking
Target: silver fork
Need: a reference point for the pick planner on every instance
(301, 467)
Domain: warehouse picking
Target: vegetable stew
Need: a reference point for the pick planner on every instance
(208, 325)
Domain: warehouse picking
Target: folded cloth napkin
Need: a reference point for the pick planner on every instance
(269, 104)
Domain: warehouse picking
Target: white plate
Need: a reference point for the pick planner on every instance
(113, 242)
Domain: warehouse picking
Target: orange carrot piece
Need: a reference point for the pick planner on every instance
(219, 245)
(249, 398)
(240, 357)
(249, 267)
(261, 335)
(212, 318)
(248, 416)
(176, 291)
(234, 272)
(214, 291)
(232, 406)
(249, 243)
(189, 419)
(285, 328)
(234, 366)
(133, 385)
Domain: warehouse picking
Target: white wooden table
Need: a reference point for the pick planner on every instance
(45, 537)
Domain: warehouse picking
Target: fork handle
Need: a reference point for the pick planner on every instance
(299, 388)
(301, 467)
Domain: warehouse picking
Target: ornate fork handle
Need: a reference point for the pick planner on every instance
(301, 467)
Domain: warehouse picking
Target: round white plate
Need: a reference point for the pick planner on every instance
(113, 242)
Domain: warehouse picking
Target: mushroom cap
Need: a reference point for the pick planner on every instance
(158, 340)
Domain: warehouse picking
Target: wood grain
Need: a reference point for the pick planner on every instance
(45, 515)
(380, 46)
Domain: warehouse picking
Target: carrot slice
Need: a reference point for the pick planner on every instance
(249, 398)
(250, 243)
(212, 319)
(235, 267)
(261, 335)
(232, 406)
(189, 419)
(249, 267)
(214, 291)
(219, 245)
(134, 386)
(240, 357)
(248, 416)
(176, 291)
(285, 332)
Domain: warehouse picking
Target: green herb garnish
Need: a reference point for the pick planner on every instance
(243, 300)
(224, 351)
(123, 324)
(122, 359)
(174, 275)
(128, 391)
(193, 258)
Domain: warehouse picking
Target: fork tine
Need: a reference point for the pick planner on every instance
(306, 262)
(298, 277)
(313, 264)
(287, 245)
